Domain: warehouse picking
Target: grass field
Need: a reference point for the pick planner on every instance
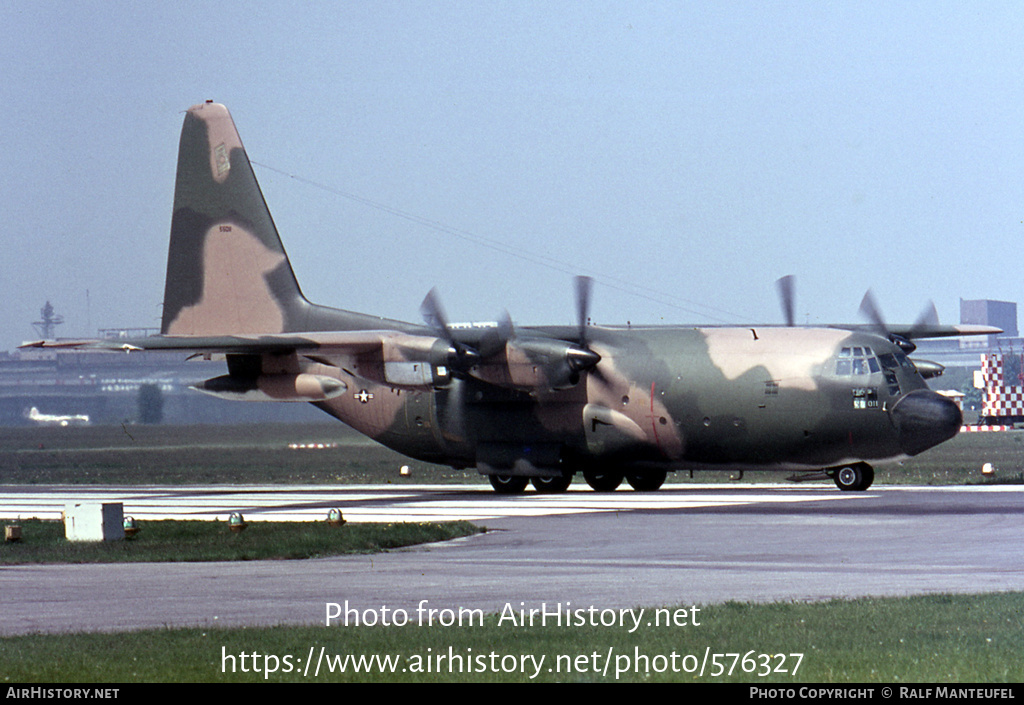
(934, 639)
(282, 454)
(172, 541)
(204, 454)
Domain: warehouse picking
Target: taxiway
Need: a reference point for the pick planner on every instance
(684, 545)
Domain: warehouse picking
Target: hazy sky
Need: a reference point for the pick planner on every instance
(686, 155)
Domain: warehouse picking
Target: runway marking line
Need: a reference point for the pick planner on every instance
(380, 504)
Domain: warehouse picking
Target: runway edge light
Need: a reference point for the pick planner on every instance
(236, 522)
(335, 517)
(131, 527)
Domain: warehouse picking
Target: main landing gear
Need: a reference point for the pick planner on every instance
(550, 485)
(508, 484)
(853, 478)
(514, 484)
(600, 480)
(608, 480)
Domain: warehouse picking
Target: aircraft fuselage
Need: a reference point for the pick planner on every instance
(755, 397)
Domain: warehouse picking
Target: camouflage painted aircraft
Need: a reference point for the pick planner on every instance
(539, 404)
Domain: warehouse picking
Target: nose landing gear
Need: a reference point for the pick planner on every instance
(853, 478)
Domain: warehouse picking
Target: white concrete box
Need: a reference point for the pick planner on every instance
(92, 521)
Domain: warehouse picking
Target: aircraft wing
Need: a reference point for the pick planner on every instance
(946, 331)
(921, 331)
(354, 342)
(396, 358)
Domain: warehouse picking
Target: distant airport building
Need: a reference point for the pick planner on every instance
(1001, 314)
(965, 352)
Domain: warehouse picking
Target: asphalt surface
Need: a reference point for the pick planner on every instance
(684, 545)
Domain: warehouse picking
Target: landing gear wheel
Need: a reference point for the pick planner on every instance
(854, 478)
(602, 480)
(648, 481)
(508, 484)
(551, 485)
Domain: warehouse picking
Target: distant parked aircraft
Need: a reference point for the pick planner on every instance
(56, 419)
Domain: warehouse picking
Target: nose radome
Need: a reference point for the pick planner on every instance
(924, 419)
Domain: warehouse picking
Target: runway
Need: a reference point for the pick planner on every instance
(684, 545)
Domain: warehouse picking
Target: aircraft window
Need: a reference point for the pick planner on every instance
(905, 361)
(862, 362)
(892, 382)
(888, 361)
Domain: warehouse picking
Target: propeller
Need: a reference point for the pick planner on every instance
(460, 356)
(562, 360)
(928, 317)
(582, 358)
(869, 310)
(786, 294)
(583, 288)
(433, 314)
(494, 340)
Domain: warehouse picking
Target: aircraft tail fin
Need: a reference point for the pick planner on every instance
(227, 272)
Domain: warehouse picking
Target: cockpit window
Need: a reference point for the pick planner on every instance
(888, 361)
(890, 364)
(857, 361)
(904, 361)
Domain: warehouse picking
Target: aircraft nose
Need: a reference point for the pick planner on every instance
(925, 419)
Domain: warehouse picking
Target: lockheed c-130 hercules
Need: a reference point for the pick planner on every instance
(531, 404)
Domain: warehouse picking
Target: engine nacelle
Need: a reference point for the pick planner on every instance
(927, 368)
(530, 364)
(420, 366)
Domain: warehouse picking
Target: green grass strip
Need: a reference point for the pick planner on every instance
(932, 639)
(44, 541)
(334, 454)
